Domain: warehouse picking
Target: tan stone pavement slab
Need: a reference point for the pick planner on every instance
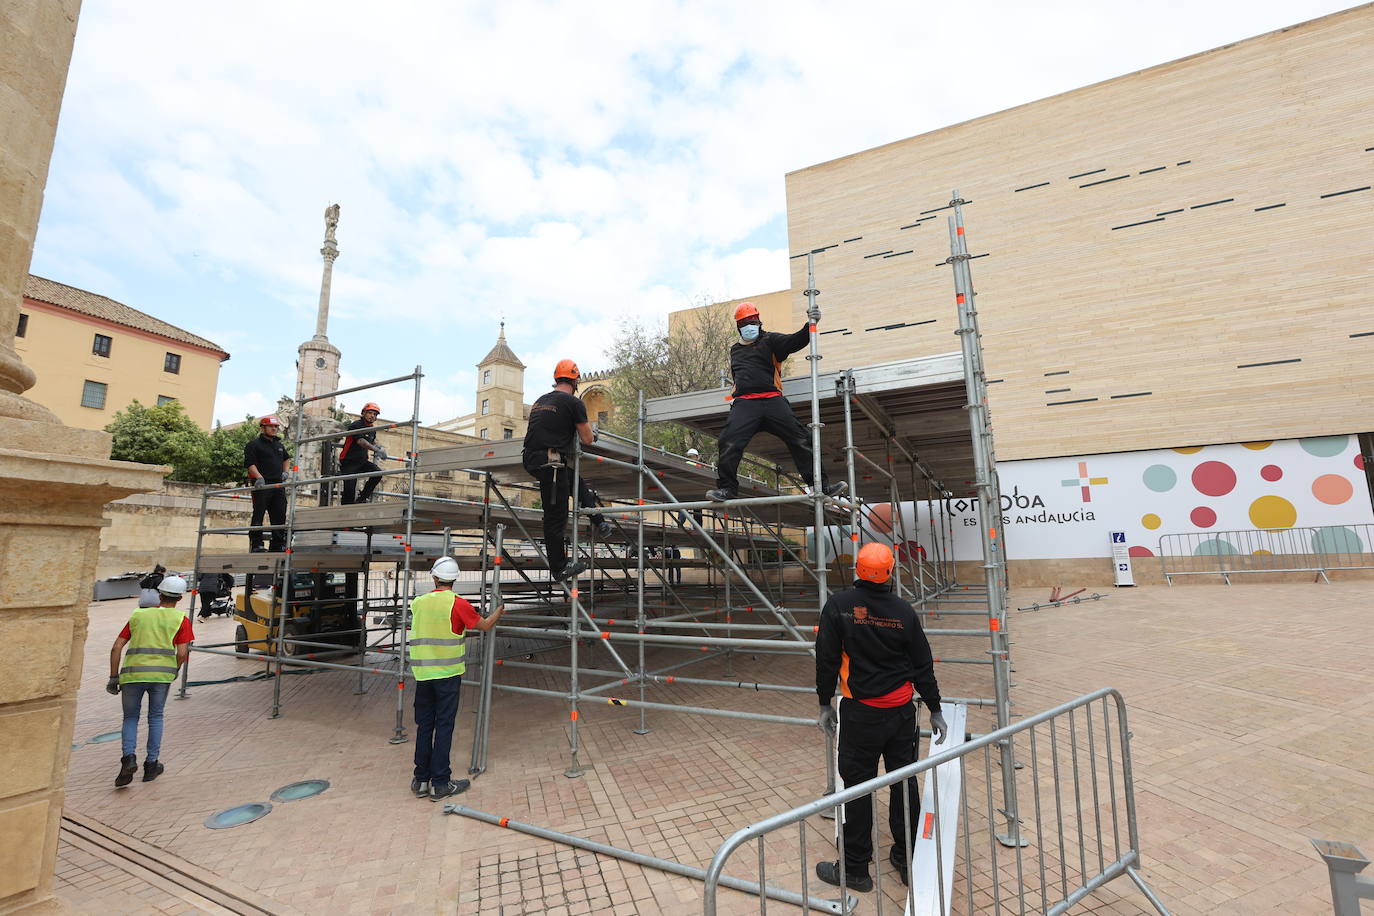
(1249, 707)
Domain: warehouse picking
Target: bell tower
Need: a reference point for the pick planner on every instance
(500, 407)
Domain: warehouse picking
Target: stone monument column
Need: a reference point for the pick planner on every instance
(317, 367)
(54, 484)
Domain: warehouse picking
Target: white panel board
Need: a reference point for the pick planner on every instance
(929, 872)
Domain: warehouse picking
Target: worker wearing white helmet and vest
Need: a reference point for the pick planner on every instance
(435, 642)
(158, 641)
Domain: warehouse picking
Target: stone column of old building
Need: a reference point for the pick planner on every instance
(54, 483)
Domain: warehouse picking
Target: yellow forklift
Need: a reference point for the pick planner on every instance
(322, 612)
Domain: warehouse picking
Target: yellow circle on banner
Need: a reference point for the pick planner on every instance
(1273, 512)
(1257, 446)
(1150, 521)
(1189, 450)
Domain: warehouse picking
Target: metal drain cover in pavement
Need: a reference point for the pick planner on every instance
(234, 817)
(299, 790)
(101, 739)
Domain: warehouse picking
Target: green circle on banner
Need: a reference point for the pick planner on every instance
(1160, 477)
(1213, 547)
(1336, 539)
(1324, 446)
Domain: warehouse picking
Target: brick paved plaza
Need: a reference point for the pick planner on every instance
(1250, 708)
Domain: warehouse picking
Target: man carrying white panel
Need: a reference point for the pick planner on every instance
(871, 643)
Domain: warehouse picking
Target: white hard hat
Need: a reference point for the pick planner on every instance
(172, 586)
(445, 569)
(693, 453)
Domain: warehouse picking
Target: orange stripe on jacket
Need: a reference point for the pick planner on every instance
(844, 675)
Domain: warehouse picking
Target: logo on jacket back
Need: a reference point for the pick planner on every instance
(862, 619)
(860, 613)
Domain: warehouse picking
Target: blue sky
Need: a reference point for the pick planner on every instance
(564, 165)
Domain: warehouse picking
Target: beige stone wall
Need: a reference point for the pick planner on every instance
(775, 310)
(150, 528)
(1106, 336)
(57, 346)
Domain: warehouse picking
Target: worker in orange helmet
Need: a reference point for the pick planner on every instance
(356, 453)
(556, 417)
(268, 463)
(758, 403)
(871, 641)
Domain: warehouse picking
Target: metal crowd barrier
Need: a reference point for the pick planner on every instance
(1316, 550)
(1072, 798)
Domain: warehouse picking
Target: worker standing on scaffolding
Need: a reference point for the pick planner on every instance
(439, 622)
(758, 403)
(871, 640)
(555, 419)
(353, 456)
(267, 462)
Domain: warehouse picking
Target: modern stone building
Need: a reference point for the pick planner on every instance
(1173, 283)
(93, 356)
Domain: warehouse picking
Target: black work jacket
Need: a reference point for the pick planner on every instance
(757, 367)
(871, 642)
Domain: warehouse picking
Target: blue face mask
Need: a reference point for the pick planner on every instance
(750, 333)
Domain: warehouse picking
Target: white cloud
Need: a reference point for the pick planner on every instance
(559, 163)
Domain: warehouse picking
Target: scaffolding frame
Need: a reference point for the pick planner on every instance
(735, 540)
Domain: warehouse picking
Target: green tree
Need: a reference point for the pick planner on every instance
(225, 463)
(694, 357)
(161, 435)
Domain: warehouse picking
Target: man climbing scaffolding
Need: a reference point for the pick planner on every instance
(555, 418)
(758, 403)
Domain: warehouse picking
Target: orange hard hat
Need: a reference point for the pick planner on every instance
(566, 368)
(875, 562)
(370, 406)
(269, 420)
(746, 310)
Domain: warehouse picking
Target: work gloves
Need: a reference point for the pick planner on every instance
(258, 483)
(937, 728)
(813, 314)
(112, 685)
(382, 455)
(828, 719)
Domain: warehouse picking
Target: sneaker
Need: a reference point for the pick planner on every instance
(829, 872)
(603, 530)
(419, 788)
(444, 789)
(572, 570)
(721, 495)
(897, 856)
(152, 769)
(128, 766)
(838, 488)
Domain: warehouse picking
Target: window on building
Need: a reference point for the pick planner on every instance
(164, 399)
(172, 363)
(507, 433)
(93, 393)
(485, 434)
(486, 406)
(101, 345)
(602, 416)
(486, 376)
(443, 494)
(23, 328)
(474, 475)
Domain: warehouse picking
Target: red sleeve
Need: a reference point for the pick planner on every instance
(184, 634)
(125, 634)
(464, 615)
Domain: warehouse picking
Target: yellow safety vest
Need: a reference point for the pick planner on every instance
(435, 650)
(151, 656)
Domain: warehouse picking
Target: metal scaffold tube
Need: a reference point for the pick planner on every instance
(989, 509)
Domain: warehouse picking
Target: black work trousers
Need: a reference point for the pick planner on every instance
(350, 487)
(272, 503)
(867, 733)
(555, 485)
(771, 415)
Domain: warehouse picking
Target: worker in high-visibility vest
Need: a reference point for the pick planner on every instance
(158, 640)
(439, 622)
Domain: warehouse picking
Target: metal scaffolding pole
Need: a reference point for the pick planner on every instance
(989, 509)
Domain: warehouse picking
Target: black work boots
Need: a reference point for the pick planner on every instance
(128, 766)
